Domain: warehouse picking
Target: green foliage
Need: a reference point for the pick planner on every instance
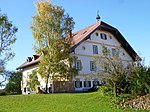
(14, 83)
(7, 38)
(123, 84)
(103, 90)
(2, 93)
(33, 80)
(49, 27)
(140, 84)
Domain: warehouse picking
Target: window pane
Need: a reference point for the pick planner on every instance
(95, 83)
(87, 83)
(92, 65)
(78, 64)
(103, 36)
(78, 84)
(95, 49)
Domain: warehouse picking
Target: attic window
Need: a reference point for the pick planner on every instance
(103, 36)
(96, 34)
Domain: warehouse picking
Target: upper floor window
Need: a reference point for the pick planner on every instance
(95, 49)
(115, 52)
(78, 64)
(103, 36)
(92, 66)
(105, 51)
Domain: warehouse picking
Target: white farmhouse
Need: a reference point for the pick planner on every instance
(86, 44)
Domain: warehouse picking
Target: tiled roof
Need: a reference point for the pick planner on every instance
(81, 35)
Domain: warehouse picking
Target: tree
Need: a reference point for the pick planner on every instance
(33, 80)
(14, 83)
(7, 38)
(50, 27)
(113, 68)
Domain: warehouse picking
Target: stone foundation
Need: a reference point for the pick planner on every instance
(63, 86)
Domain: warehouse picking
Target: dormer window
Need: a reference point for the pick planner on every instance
(29, 59)
(103, 36)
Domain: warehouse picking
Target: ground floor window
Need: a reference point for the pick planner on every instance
(25, 89)
(87, 83)
(95, 83)
(78, 84)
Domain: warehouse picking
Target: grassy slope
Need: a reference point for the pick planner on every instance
(83, 102)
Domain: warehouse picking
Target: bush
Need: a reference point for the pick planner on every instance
(105, 90)
(140, 84)
(2, 93)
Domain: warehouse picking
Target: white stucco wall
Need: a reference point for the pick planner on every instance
(25, 73)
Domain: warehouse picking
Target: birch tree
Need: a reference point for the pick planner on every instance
(49, 27)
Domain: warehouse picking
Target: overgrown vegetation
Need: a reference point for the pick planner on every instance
(113, 70)
(124, 78)
(130, 90)
(33, 80)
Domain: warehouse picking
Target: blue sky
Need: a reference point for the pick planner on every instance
(130, 17)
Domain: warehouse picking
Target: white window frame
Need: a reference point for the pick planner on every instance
(87, 83)
(78, 64)
(103, 36)
(78, 84)
(92, 66)
(95, 49)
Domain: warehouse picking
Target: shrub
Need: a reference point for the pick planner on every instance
(2, 93)
(105, 90)
(140, 84)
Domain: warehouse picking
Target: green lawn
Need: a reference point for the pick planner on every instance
(77, 102)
